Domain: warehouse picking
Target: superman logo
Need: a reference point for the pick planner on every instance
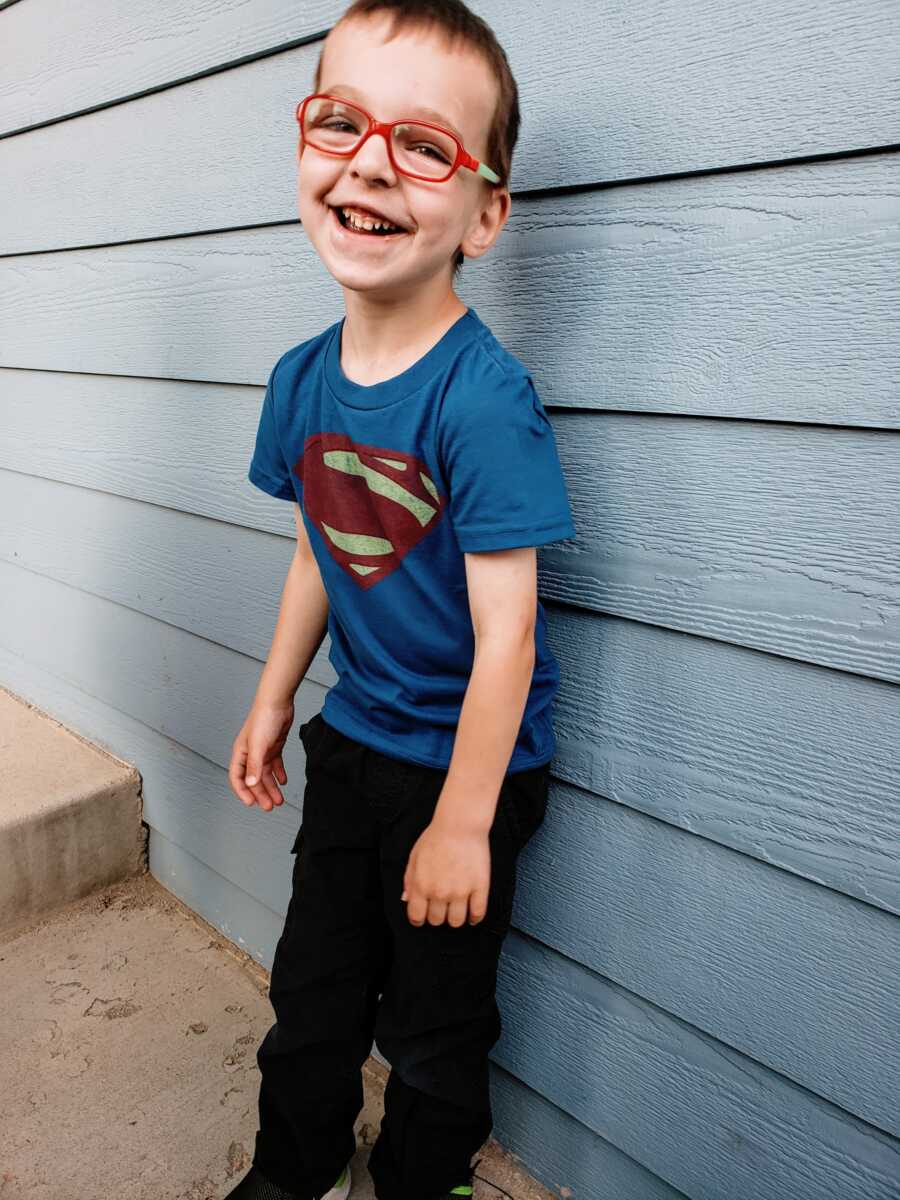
(371, 506)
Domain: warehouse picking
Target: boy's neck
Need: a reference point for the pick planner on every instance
(378, 344)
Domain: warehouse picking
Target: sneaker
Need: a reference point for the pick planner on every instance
(341, 1189)
(255, 1186)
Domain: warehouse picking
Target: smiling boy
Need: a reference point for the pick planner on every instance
(424, 473)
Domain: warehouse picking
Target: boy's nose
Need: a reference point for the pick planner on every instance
(373, 156)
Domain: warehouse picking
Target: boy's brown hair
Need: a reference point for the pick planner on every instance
(456, 23)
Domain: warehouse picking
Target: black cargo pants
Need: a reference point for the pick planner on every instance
(349, 967)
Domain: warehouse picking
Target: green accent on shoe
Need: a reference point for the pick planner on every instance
(340, 1179)
(464, 1189)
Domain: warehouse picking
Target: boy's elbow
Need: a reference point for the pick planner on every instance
(516, 636)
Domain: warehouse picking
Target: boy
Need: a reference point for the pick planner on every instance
(424, 472)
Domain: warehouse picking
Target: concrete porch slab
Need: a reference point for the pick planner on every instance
(128, 1058)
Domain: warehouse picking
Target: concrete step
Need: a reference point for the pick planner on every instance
(70, 815)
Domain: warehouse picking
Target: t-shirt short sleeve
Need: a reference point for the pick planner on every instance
(502, 467)
(268, 468)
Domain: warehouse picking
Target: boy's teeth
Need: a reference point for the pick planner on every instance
(366, 222)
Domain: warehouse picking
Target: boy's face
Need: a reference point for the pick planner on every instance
(393, 80)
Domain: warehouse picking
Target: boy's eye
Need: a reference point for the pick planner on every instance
(336, 123)
(432, 152)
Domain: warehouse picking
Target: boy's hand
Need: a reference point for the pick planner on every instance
(448, 876)
(256, 761)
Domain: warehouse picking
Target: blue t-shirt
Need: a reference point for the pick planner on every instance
(396, 481)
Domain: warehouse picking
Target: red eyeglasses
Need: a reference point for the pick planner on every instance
(419, 149)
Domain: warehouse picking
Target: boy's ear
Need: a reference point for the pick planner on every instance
(487, 223)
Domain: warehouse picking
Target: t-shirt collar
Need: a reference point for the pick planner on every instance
(389, 391)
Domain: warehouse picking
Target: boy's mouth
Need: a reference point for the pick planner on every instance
(385, 235)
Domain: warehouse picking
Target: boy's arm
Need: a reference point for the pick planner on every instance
(301, 627)
(502, 586)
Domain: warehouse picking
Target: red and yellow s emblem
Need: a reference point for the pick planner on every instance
(371, 505)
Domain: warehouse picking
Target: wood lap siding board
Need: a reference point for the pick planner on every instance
(700, 991)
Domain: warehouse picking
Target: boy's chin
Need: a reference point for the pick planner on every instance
(392, 267)
(345, 270)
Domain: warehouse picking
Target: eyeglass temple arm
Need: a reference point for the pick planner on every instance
(487, 173)
(466, 160)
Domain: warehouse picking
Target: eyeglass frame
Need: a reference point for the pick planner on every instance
(385, 128)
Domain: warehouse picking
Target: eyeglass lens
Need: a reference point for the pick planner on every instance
(418, 149)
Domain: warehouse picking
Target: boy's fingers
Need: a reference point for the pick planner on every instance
(478, 902)
(278, 770)
(258, 786)
(254, 781)
(236, 778)
(262, 782)
(257, 769)
(256, 791)
(272, 788)
(244, 794)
